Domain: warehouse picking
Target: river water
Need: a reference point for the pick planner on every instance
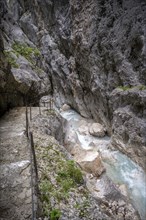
(120, 169)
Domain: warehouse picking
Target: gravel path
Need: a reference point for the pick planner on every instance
(15, 178)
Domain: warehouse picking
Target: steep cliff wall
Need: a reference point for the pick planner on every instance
(21, 76)
(92, 56)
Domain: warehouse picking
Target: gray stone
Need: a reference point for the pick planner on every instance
(97, 130)
(90, 162)
(65, 107)
(88, 51)
(93, 57)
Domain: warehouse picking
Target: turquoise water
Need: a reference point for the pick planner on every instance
(120, 168)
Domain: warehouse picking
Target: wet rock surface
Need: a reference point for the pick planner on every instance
(110, 175)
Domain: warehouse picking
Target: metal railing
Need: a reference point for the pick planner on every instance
(34, 170)
(29, 134)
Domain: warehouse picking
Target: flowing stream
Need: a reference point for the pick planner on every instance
(120, 169)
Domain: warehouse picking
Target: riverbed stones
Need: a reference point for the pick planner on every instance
(123, 189)
(97, 130)
(111, 198)
(78, 204)
(71, 141)
(65, 107)
(90, 162)
(77, 150)
(83, 129)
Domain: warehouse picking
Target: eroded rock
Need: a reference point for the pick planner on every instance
(97, 130)
(83, 129)
(91, 163)
(65, 107)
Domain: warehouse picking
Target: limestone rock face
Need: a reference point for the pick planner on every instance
(92, 56)
(97, 129)
(110, 194)
(50, 123)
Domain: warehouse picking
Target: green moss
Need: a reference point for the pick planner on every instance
(45, 186)
(48, 190)
(46, 211)
(66, 176)
(38, 70)
(126, 88)
(69, 176)
(141, 87)
(55, 214)
(51, 112)
(82, 208)
(74, 172)
(28, 52)
(10, 59)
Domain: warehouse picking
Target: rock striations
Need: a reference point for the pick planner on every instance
(87, 54)
(90, 54)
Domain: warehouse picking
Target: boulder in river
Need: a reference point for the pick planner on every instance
(97, 129)
(90, 162)
(65, 107)
(83, 129)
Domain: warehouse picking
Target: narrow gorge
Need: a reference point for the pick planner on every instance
(73, 94)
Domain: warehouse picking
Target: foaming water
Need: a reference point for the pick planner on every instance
(123, 170)
(120, 169)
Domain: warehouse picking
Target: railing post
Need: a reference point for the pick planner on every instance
(50, 104)
(52, 101)
(30, 112)
(34, 156)
(27, 125)
(39, 109)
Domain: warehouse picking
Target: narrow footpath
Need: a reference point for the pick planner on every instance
(15, 167)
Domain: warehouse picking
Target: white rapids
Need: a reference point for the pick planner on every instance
(120, 169)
